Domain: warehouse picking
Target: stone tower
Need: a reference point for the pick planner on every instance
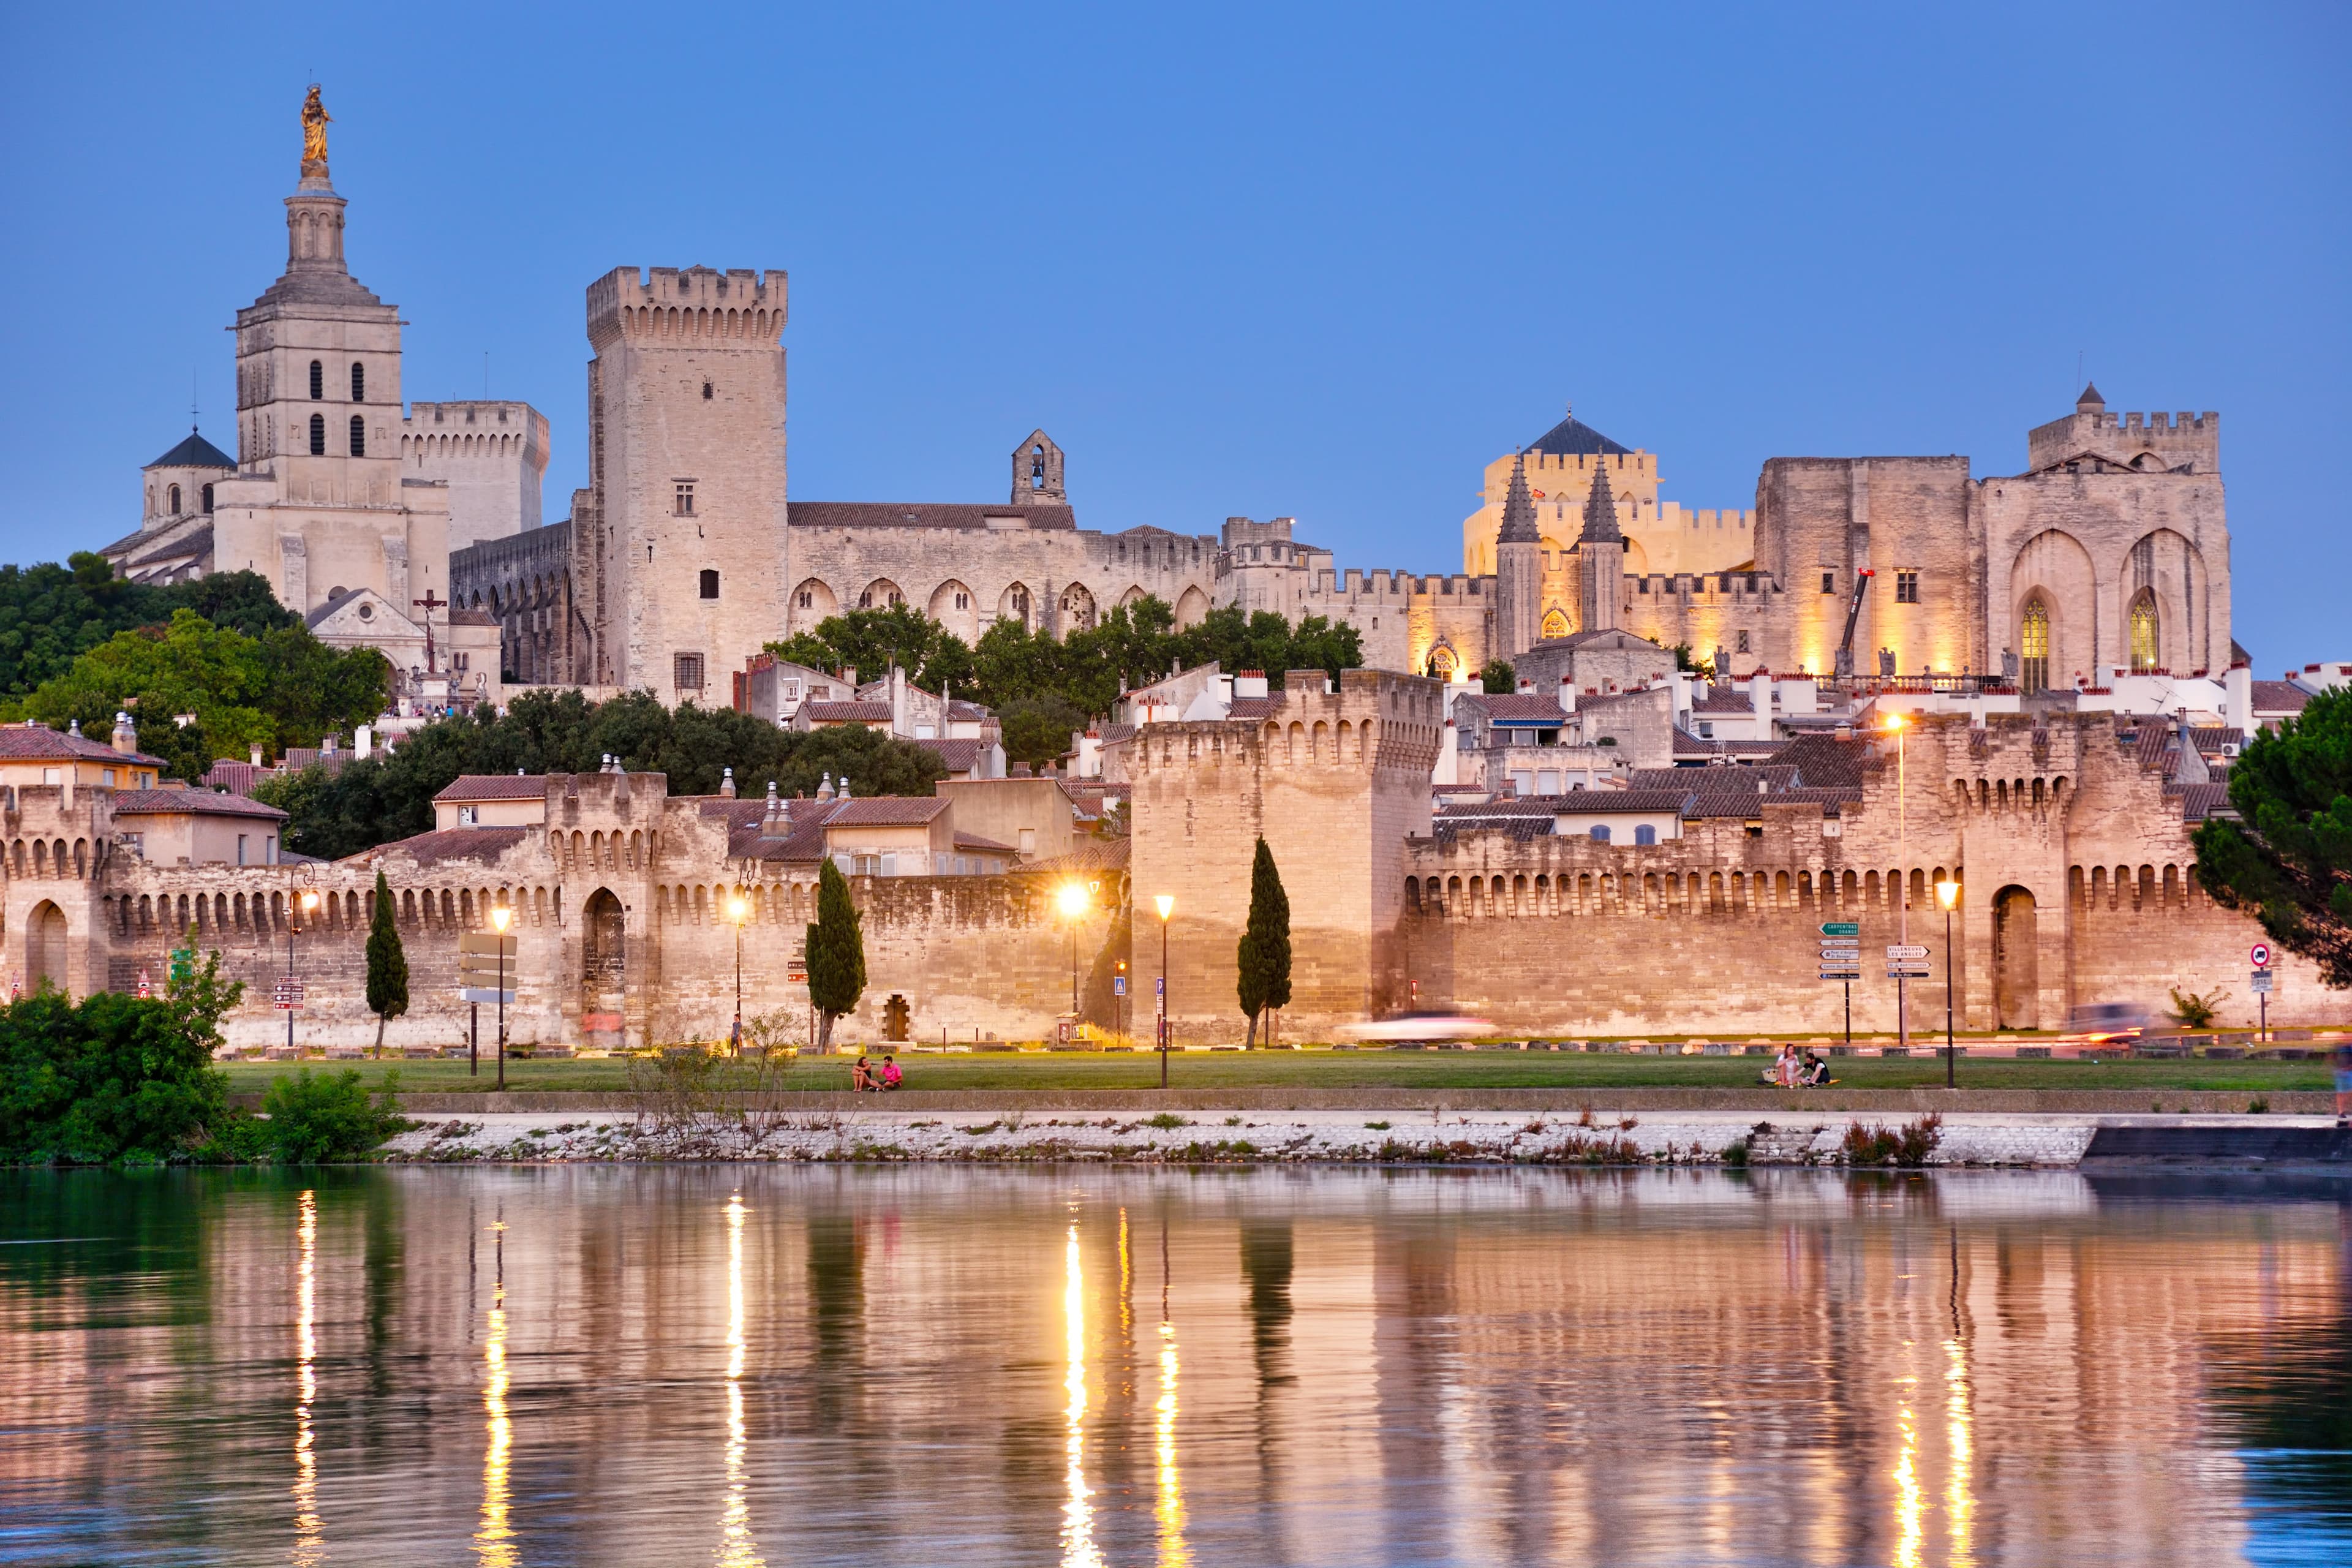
(1518, 569)
(1600, 557)
(319, 504)
(1037, 472)
(685, 508)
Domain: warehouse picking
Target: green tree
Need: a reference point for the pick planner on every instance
(1497, 679)
(1038, 728)
(387, 963)
(1264, 948)
(329, 1116)
(871, 641)
(835, 954)
(51, 614)
(2287, 858)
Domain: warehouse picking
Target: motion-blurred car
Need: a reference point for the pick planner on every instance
(2097, 1021)
(1411, 1026)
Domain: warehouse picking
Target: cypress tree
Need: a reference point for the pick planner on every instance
(1265, 949)
(836, 953)
(387, 965)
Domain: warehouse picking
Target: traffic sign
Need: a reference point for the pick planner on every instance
(1846, 950)
(1841, 928)
(1906, 971)
(489, 996)
(1900, 950)
(2263, 979)
(287, 994)
(1841, 973)
(1118, 984)
(146, 986)
(2260, 955)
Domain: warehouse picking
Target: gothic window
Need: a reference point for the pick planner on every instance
(358, 382)
(358, 436)
(1555, 625)
(1907, 587)
(807, 599)
(682, 500)
(175, 507)
(208, 500)
(1441, 664)
(318, 381)
(2144, 642)
(2033, 648)
(687, 671)
(318, 435)
(963, 601)
(709, 584)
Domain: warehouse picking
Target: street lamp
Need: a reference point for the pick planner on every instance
(1073, 900)
(500, 918)
(739, 908)
(1948, 893)
(303, 904)
(1167, 903)
(1896, 723)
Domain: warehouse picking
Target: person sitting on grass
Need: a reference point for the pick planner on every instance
(1782, 1073)
(891, 1076)
(1816, 1074)
(861, 1078)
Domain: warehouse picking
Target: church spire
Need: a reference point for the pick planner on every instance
(1519, 508)
(1600, 510)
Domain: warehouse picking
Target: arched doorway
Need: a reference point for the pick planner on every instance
(2016, 971)
(45, 948)
(603, 963)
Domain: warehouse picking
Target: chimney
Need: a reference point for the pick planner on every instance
(1527, 686)
(1250, 683)
(125, 739)
(727, 785)
(1567, 694)
(825, 790)
(2238, 698)
(254, 751)
(363, 741)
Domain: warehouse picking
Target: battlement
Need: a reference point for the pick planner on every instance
(1705, 585)
(475, 428)
(1372, 718)
(699, 304)
(2133, 440)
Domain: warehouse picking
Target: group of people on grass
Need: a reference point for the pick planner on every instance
(868, 1079)
(1793, 1069)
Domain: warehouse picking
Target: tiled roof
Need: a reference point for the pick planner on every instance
(1254, 707)
(2212, 737)
(1735, 780)
(886, 810)
(2279, 696)
(1824, 762)
(1724, 702)
(957, 755)
(1608, 802)
(921, 514)
(964, 712)
(34, 741)
(974, 841)
(1508, 806)
(495, 786)
(298, 757)
(848, 713)
(1109, 734)
(189, 803)
(1689, 745)
(177, 543)
(1519, 828)
(456, 844)
(1092, 857)
(238, 778)
(1519, 707)
(2198, 801)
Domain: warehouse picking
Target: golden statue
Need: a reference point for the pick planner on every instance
(314, 128)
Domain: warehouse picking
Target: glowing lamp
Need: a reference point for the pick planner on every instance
(1167, 902)
(1072, 899)
(738, 910)
(500, 918)
(1948, 894)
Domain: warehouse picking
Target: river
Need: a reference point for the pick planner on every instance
(975, 1365)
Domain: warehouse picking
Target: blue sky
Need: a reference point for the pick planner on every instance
(1254, 260)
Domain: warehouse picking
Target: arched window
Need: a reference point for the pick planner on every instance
(318, 435)
(2033, 648)
(1601, 833)
(1645, 833)
(208, 500)
(174, 508)
(1441, 663)
(2143, 633)
(358, 436)
(318, 381)
(358, 382)
(1555, 625)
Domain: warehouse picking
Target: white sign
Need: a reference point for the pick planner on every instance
(2260, 955)
(1902, 949)
(1829, 953)
(2263, 982)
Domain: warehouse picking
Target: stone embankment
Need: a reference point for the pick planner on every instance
(1241, 1135)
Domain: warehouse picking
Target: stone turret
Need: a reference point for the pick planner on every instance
(1600, 557)
(1518, 569)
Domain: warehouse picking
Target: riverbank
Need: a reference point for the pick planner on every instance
(1816, 1135)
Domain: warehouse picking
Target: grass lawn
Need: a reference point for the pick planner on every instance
(1374, 1069)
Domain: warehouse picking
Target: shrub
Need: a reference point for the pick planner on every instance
(113, 1077)
(329, 1116)
(1908, 1147)
(2191, 1011)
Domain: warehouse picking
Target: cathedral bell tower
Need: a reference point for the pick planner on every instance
(1518, 569)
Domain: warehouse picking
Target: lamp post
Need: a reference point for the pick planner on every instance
(1072, 901)
(739, 908)
(500, 918)
(304, 902)
(1948, 893)
(1896, 723)
(1167, 903)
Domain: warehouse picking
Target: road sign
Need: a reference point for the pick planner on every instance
(146, 986)
(184, 962)
(489, 996)
(1902, 949)
(2264, 982)
(2260, 955)
(484, 959)
(1906, 971)
(1841, 928)
(1841, 973)
(1118, 984)
(287, 994)
(1829, 949)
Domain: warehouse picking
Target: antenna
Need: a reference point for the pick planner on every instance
(485, 375)
(196, 415)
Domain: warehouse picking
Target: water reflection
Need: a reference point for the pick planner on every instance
(1343, 1368)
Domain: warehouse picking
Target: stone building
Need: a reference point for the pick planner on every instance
(491, 455)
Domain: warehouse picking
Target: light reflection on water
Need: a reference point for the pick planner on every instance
(920, 1365)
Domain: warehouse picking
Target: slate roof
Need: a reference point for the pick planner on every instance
(195, 452)
(34, 741)
(848, 713)
(497, 786)
(189, 803)
(921, 514)
(1573, 437)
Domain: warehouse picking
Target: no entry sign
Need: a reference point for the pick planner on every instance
(2261, 954)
